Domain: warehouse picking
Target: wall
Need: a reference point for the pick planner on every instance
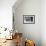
(30, 31)
(43, 22)
(6, 13)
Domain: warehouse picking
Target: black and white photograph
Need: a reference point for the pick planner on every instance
(29, 19)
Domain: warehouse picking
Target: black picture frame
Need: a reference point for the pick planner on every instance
(28, 19)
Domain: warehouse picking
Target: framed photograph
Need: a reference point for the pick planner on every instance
(29, 19)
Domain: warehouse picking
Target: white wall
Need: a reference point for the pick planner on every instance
(31, 31)
(43, 22)
(6, 13)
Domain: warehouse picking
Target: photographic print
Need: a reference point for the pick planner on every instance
(29, 19)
